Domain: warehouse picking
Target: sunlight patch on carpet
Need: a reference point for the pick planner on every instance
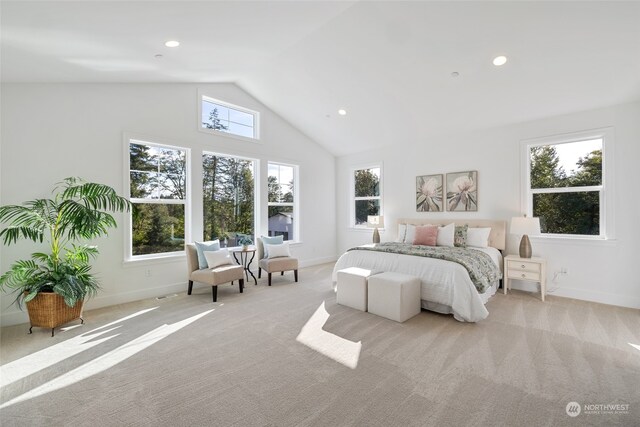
(131, 316)
(636, 346)
(107, 360)
(334, 347)
(45, 358)
(28, 365)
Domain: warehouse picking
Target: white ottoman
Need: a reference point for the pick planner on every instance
(395, 296)
(352, 287)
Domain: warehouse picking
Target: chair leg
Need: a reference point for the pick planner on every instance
(214, 291)
(259, 272)
(282, 273)
(295, 275)
(269, 279)
(190, 287)
(241, 285)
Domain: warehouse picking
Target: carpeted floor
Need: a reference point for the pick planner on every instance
(270, 357)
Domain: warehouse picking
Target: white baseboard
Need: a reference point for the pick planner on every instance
(317, 261)
(14, 318)
(601, 297)
(581, 294)
(140, 294)
(18, 317)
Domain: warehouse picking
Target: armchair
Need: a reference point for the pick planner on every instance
(211, 276)
(274, 265)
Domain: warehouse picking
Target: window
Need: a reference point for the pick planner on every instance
(367, 194)
(282, 201)
(228, 198)
(158, 191)
(218, 116)
(565, 183)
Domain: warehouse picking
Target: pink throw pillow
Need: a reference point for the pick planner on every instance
(426, 235)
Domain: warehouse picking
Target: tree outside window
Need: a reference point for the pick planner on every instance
(566, 187)
(282, 203)
(228, 198)
(158, 188)
(222, 117)
(366, 191)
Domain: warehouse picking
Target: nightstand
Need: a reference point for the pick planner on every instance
(531, 269)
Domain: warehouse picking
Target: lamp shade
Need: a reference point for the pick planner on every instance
(525, 225)
(375, 221)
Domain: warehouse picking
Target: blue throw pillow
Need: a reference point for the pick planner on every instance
(202, 247)
(274, 240)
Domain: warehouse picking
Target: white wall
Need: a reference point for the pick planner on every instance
(52, 131)
(598, 271)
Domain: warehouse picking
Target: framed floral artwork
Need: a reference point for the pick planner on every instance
(429, 193)
(462, 191)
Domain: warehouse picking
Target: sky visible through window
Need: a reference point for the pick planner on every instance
(283, 174)
(571, 152)
(235, 121)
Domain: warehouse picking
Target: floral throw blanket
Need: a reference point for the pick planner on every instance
(482, 270)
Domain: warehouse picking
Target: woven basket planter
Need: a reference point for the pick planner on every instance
(48, 310)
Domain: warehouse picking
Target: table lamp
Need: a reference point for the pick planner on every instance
(375, 221)
(526, 227)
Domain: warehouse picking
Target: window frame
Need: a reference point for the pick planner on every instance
(203, 97)
(353, 198)
(605, 190)
(128, 241)
(256, 183)
(296, 199)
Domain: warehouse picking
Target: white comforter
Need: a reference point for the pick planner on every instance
(443, 282)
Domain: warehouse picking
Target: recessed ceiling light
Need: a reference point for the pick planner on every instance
(158, 55)
(499, 60)
(455, 74)
(342, 112)
(172, 43)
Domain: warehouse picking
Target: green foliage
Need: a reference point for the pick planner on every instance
(214, 121)
(367, 184)
(157, 173)
(78, 211)
(566, 213)
(228, 196)
(545, 169)
(589, 170)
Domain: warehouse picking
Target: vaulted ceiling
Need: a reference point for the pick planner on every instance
(389, 64)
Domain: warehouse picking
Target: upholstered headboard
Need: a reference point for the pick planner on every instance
(497, 237)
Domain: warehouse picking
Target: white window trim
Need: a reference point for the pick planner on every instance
(256, 186)
(295, 204)
(353, 198)
(129, 138)
(256, 119)
(607, 196)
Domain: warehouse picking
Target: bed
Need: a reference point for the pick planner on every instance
(446, 286)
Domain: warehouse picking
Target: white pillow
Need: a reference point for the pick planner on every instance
(277, 251)
(218, 258)
(478, 237)
(445, 235)
(270, 240)
(410, 236)
(402, 231)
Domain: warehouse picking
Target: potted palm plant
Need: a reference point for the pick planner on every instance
(54, 285)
